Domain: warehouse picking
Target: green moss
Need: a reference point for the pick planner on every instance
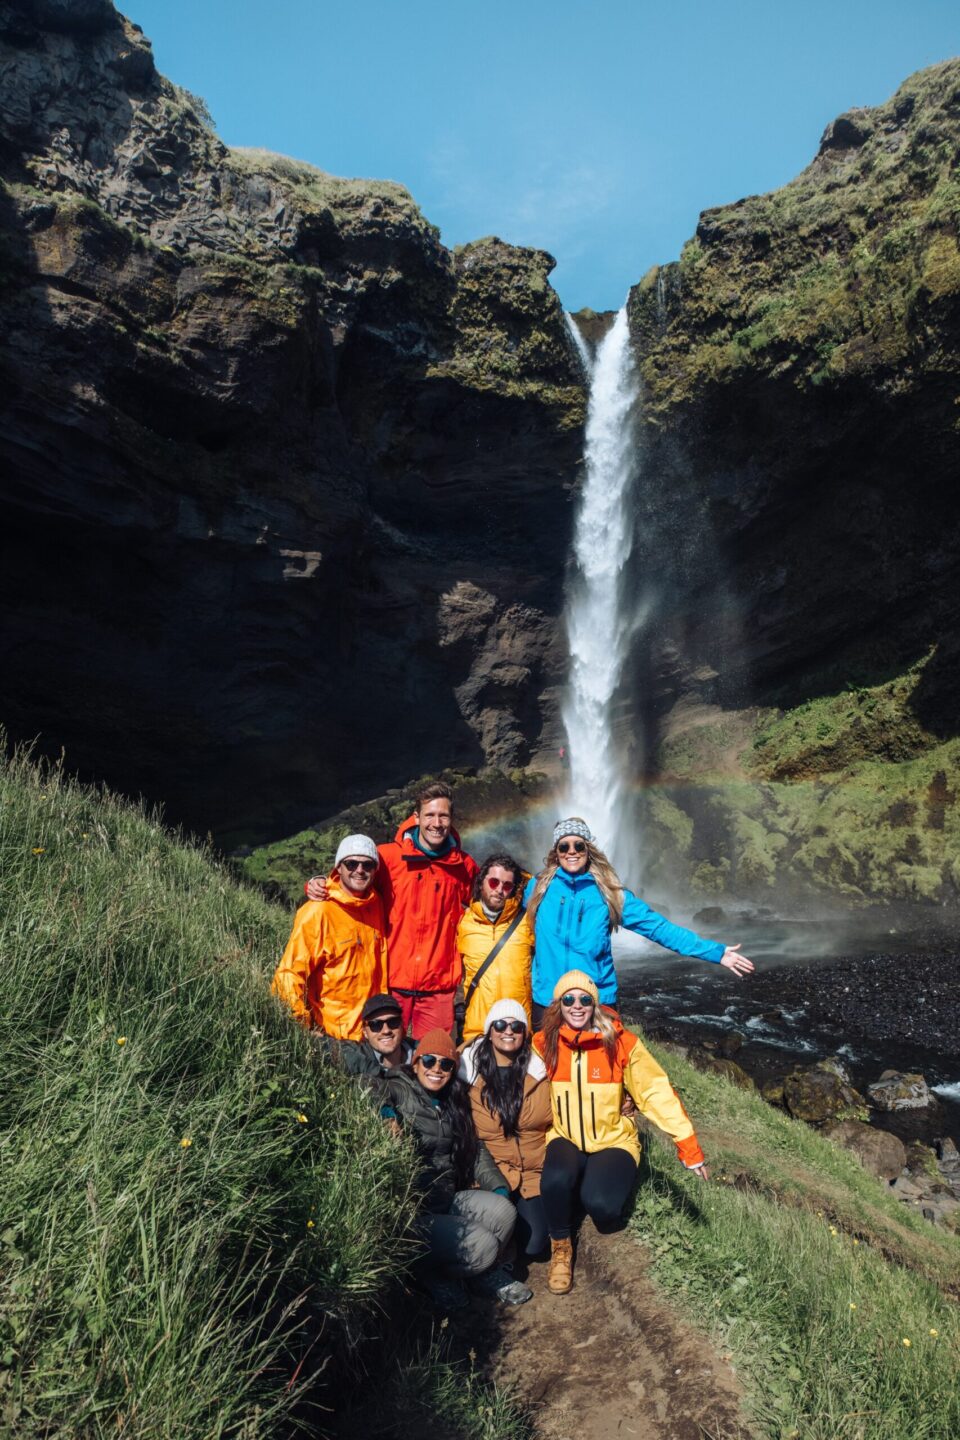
(833, 275)
(845, 795)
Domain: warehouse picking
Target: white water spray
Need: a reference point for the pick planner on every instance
(598, 618)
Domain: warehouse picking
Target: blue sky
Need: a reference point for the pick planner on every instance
(598, 130)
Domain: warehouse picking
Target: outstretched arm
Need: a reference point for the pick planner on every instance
(641, 918)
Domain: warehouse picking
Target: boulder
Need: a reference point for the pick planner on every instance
(884, 1155)
(948, 1163)
(730, 1044)
(900, 1091)
(701, 1059)
(772, 1092)
(819, 1093)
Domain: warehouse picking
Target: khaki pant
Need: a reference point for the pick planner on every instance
(472, 1235)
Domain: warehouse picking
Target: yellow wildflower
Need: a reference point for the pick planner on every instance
(907, 1342)
(856, 1242)
(852, 1305)
(85, 836)
(934, 1333)
(39, 850)
(185, 1143)
(310, 1225)
(121, 1039)
(302, 1118)
(833, 1229)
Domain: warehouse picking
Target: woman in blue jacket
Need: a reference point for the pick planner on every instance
(578, 901)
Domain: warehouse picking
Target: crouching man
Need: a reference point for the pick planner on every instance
(336, 957)
(383, 1048)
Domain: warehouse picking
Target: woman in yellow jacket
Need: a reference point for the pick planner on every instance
(593, 1148)
(336, 957)
(494, 919)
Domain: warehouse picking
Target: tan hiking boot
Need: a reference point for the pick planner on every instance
(560, 1274)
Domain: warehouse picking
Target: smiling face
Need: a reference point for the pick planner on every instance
(579, 1011)
(509, 1041)
(435, 819)
(433, 1078)
(498, 885)
(383, 1032)
(572, 855)
(356, 873)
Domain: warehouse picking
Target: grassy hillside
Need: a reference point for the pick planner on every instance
(192, 1211)
(837, 1304)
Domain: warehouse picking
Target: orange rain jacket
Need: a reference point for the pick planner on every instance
(508, 978)
(587, 1092)
(423, 900)
(335, 959)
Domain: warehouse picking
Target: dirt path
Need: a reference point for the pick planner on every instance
(609, 1362)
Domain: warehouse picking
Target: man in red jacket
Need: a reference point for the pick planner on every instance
(424, 879)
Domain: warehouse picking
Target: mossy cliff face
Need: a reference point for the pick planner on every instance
(286, 483)
(798, 519)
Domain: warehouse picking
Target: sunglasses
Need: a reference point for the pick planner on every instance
(516, 1027)
(507, 886)
(586, 1001)
(571, 847)
(367, 866)
(392, 1022)
(441, 1061)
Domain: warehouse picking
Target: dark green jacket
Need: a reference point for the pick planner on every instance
(432, 1130)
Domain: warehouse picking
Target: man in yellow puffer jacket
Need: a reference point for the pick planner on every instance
(487, 920)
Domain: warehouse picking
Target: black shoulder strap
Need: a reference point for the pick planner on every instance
(492, 956)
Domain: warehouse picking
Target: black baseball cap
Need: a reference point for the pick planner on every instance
(379, 1005)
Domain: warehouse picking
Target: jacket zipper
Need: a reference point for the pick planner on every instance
(583, 1133)
(593, 1114)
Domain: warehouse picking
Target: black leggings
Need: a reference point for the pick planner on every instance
(531, 1232)
(603, 1181)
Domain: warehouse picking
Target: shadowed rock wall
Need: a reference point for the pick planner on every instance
(285, 482)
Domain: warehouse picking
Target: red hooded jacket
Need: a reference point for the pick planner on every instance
(423, 900)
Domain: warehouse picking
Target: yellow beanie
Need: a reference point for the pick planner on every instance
(576, 980)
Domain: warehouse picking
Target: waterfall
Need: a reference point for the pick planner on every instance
(583, 349)
(598, 615)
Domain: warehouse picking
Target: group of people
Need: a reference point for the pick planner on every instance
(479, 1004)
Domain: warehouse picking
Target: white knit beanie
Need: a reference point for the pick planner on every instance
(505, 1010)
(356, 845)
(573, 826)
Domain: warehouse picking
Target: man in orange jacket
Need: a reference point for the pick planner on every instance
(425, 879)
(336, 957)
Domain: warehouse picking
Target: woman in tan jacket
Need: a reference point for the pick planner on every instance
(510, 1101)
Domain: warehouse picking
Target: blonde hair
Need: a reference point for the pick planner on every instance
(608, 881)
(550, 1030)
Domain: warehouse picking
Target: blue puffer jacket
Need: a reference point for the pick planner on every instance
(573, 933)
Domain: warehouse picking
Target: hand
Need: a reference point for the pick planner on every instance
(733, 960)
(393, 1126)
(317, 889)
(702, 1172)
(628, 1106)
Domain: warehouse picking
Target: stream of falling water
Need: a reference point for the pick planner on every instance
(598, 614)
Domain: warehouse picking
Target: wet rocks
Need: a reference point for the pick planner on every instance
(821, 1092)
(896, 1091)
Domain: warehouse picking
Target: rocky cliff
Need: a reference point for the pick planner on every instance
(285, 481)
(799, 511)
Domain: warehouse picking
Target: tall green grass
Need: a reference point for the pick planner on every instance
(195, 1214)
(828, 1294)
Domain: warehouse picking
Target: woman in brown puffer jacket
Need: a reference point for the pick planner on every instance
(510, 1101)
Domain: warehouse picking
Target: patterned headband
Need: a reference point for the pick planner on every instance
(571, 827)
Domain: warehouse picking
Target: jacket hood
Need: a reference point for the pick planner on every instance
(468, 1063)
(510, 908)
(338, 891)
(582, 1038)
(410, 852)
